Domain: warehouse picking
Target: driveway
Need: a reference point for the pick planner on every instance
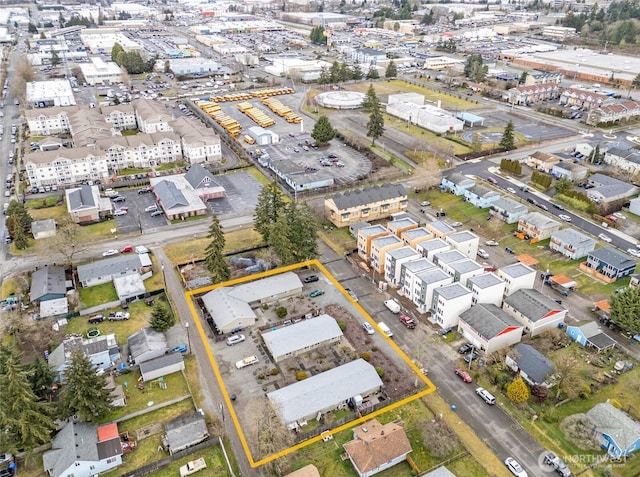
(137, 220)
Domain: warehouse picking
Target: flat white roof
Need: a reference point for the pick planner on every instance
(304, 334)
(266, 287)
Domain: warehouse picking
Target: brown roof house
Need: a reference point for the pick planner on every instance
(376, 447)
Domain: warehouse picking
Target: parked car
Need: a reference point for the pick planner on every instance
(119, 316)
(368, 328)
(352, 294)
(179, 349)
(316, 293)
(235, 339)
(543, 207)
(310, 279)
(491, 243)
(619, 215)
(127, 249)
(604, 237)
(118, 198)
(144, 190)
(465, 348)
(425, 203)
(156, 213)
(492, 180)
(634, 252)
(248, 361)
(445, 332)
(557, 464)
(566, 218)
(5, 457)
(119, 212)
(96, 319)
(511, 190)
(471, 356)
(558, 206)
(408, 321)
(456, 224)
(463, 375)
(514, 467)
(108, 253)
(483, 253)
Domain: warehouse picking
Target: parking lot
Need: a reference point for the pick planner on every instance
(242, 191)
(136, 219)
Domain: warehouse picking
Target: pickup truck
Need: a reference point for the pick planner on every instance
(193, 467)
(408, 321)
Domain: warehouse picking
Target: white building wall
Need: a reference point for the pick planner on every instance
(447, 312)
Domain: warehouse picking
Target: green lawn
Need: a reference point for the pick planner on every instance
(45, 203)
(93, 296)
(130, 132)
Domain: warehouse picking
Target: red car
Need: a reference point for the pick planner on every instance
(408, 321)
(127, 249)
(464, 375)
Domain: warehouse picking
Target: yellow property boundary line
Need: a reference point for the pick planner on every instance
(310, 263)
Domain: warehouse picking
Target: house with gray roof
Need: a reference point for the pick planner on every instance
(481, 196)
(184, 432)
(608, 189)
(429, 248)
(516, 276)
(489, 328)
(464, 241)
(445, 259)
(609, 264)
(372, 203)
(569, 170)
(466, 269)
(102, 351)
(530, 364)
(146, 344)
(423, 285)
(400, 225)
(48, 283)
(440, 229)
(447, 303)
(329, 390)
(414, 236)
(85, 205)
(627, 160)
(486, 288)
(394, 260)
(76, 450)
(590, 335)
(302, 337)
(456, 183)
(571, 243)
(616, 431)
(107, 269)
(161, 366)
(535, 311)
(45, 228)
(228, 312)
(538, 226)
(508, 210)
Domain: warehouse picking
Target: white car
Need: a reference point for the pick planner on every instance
(456, 224)
(491, 243)
(483, 254)
(235, 339)
(108, 253)
(634, 252)
(119, 212)
(604, 237)
(566, 218)
(511, 190)
(425, 203)
(515, 468)
(619, 215)
(368, 328)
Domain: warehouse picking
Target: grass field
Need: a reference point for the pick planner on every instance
(93, 296)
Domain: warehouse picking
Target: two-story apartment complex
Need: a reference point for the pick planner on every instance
(609, 264)
(516, 276)
(508, 210)
(366, 235)
(571, 243)
(373, 203)
(538, 226)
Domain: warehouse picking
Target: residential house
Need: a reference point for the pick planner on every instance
(161, 366)
(45, 228)
(448, 303)
(102, 351)
(608, 189)
(401, 225)
(481, 196)
(542, 161)
(409, 270)
(146, 344)
(538, 226)
(373, 203)
(590, 335)
(429, 248)
(534, 367)
(582, 98)
(299, 338)
(82, 449)
(533, 94)
(466, 269)
(571, 243)
(325, 391)
(445, 259)
(108, 269)
(366, 235)
(414, 236)
(394, 260)
(48, 283)
(376, 447)
(537, 312)
(85, 205)
(379, 248)
(456, 183)
(152, 116)
(121, 117)
(440, 229)
(616, 431)
(199, 143)
(466, 242)
(184, 432)
(569, 170)
(545, 77)
(486, 288)
(609, 264)
(424, 283)
(614, 113)
(517, 276)
(489, 328)
(627, 160)
(507, 210)
(368, 56)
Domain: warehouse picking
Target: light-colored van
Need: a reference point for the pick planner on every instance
(248, 361)
(385, 329)
(235, 339)
(486, 395)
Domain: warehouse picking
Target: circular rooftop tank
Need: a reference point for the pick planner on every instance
(340, 99)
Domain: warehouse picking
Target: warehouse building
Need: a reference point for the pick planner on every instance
(44, 94)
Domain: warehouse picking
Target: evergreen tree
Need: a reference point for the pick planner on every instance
(25, 422)
(302, 232)
(116, 51)
(55, 58)
(41, 377)
(317, 36)
(161, 317)
(476, 142)
(523, 77)
(508, 138)
(625, 309)
(375, 126)
(270, 204)
(214, 253)
(323, 131)
(279, 239)
(356, 71)
(391, 71)
(373, 73)
(474, 69)
(370, 99)
(85, 393)
(325, 76)
(19, 224)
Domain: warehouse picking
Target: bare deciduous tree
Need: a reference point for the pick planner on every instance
(567, 379)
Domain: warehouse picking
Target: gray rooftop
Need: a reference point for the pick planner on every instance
(144, 340)
(536, 365)
(517, 270)
(324, 390)
(226, 309)
(186, 430)
(458, 179)
(81, 198)
(466, 266)
(118, 265)
(614, 258)
(266, 287)
(199, 177)
(402, 252)
(402, 223)
(532, 304)
(482, 191)
(161, 362)
(433, 244)
(44, 225)
(488, 320)
(453, 291)
(169, 195)
(539, 221)
(415, 266)
(508, 205)
(463, 236)
(573, 237)
(416, 233)
(385, 241)
(370, 195)
(301, 335)
(448, 257)
(605, 180)
(76, 441)
(441, 226)
(486, 280)
(373, 230)
(47, 280)
(615, 423)
(433, 275)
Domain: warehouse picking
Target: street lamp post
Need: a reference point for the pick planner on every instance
(164, 278)
(186, 325)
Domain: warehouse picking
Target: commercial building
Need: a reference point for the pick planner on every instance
(44, 94)
(429, 117)
(99, 72)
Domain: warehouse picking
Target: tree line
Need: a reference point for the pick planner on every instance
(131, 61)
